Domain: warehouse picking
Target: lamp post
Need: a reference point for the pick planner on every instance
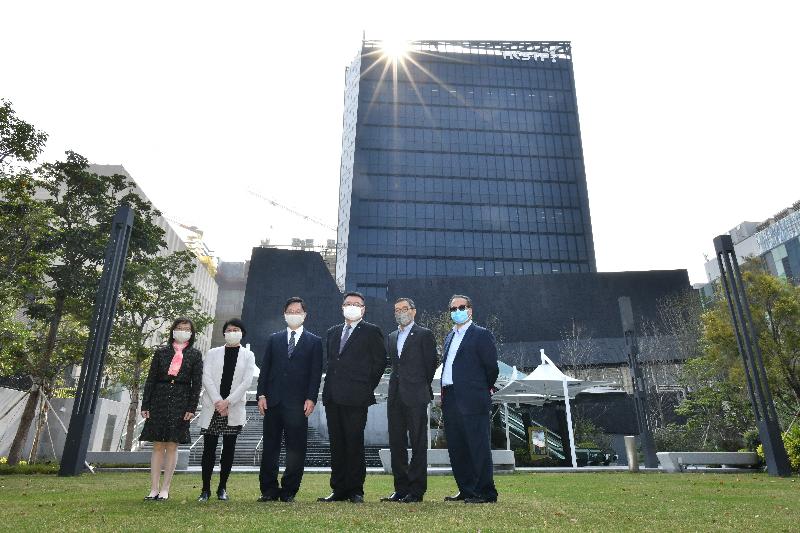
(747, 342)
(80, 425)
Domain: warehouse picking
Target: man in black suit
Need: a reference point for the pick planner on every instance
(469, 371)
(356, 361)
(287, 393)
(412, 353)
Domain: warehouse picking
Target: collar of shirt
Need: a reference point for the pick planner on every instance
(298, 332)
(352, 326)
(405, 329)
(460, 329)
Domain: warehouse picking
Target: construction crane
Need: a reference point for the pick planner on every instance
(290, 210)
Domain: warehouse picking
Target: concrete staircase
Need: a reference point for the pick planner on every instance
(249, 446)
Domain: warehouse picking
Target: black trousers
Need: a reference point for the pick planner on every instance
(289, 422)
(346, 425)
(408, 424)
(210, 458)
(470, 450)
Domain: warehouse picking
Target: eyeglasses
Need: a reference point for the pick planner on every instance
(346, 304)
(402, 309)
(459, 308)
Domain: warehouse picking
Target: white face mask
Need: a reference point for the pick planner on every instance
(181, 336)
(232, 338)
(294, 321)
(352, 312)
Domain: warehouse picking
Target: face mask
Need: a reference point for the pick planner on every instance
(181, 336)
(404, 319)
(294, 321)
(352, 312)
(232, 338)
(459, 317)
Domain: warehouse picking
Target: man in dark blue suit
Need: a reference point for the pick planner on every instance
(469, 371)
(287, 393)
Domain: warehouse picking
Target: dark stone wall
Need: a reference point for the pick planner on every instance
(276, 275)
(533, 311)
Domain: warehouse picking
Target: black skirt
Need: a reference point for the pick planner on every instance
(166, 423)
(219, 426)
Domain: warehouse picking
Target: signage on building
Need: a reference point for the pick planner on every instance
(779, 232)
(528, 56)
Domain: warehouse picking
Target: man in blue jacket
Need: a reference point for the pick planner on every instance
(469, 371)
(287, 393)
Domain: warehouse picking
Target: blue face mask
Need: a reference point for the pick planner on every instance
(459, 317)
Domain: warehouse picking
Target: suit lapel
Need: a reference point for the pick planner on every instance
(467, 337)
(393, 343)
(353, 333)
(447, 342)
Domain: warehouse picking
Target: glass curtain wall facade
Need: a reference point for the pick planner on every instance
(461, 159)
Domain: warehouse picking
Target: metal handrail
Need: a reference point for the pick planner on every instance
(255, 452)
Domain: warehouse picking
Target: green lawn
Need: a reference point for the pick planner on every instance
(578, 502)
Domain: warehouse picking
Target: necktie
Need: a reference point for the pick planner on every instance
(291, 343)
(345, 337)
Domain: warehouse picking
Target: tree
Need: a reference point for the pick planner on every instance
(24, 223)
(155, 291)
(83, 205)
(717, 408)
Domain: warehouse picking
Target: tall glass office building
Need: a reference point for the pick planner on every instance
(461, 158)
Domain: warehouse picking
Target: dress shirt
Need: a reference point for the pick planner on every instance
(402, 335)
(297, 333)
(455, 342)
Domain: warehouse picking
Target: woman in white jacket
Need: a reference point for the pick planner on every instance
(227, 374)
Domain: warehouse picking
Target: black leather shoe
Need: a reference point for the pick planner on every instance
(204, 496)
(267, 499)
(457, 498)
(288, 498)
(333, 497)
(356, 498)
(411, 499)
(479, 500)
(150, 498)
(222, 494)
(395, 497)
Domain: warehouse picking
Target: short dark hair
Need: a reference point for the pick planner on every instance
(356, 294)
(294, 300)
(181, 320)
(234, 322)
(467, 298)
(409, 300)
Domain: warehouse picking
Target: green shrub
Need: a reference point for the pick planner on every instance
(791, 441)
(27, 469)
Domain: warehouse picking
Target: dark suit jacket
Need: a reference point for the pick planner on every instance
(352, 376)
(412, 372)
(474, 370)
(291, 379)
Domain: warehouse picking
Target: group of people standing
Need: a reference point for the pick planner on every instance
(288, 388)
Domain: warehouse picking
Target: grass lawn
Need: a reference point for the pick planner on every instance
(578, 502)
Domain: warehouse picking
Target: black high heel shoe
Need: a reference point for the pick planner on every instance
(149, 498)
(160, 498)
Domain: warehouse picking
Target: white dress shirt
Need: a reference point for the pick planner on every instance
(455, 342)
(297, 333)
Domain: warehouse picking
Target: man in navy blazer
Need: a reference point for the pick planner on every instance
(469, 371)
(288, 387)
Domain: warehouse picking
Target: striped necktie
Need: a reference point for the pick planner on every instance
(290, 348)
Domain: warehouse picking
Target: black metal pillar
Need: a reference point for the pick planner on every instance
(80, 425)
(747, 340)
(638, 384)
